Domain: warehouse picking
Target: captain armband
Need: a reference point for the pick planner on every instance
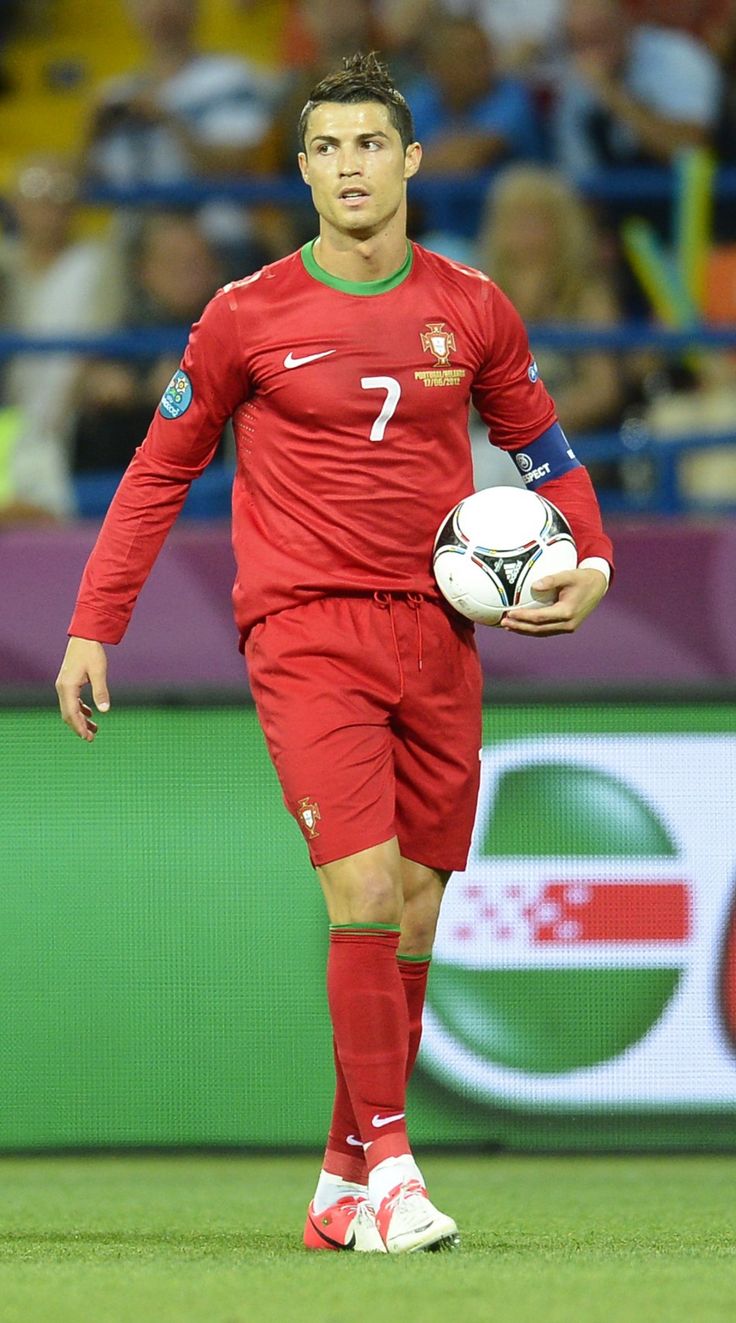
(548, 457)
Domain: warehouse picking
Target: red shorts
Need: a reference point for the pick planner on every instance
(371, 709)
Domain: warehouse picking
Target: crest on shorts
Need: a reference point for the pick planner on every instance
(308, 810)
(436, 340)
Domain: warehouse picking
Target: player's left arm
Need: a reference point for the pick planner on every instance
(511, 398)
(573, 593)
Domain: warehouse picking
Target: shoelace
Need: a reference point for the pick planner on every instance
(409, 1190)
(359, 1202)
(365, 1211)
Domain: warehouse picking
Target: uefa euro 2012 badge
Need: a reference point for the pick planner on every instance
(177, 397)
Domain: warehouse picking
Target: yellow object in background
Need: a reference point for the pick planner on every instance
(11, 422)
(676, 283)
(657, 275)
(693, 221)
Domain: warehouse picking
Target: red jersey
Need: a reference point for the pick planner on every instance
(350, 412)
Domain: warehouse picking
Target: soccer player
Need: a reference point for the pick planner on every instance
(348, 368)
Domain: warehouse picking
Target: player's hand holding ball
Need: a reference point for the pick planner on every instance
(574, 594)
(507, 557)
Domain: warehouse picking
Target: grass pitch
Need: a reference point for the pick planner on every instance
(217, 1239)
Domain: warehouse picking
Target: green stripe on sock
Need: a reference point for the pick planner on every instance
(365, 927)
(414, 958)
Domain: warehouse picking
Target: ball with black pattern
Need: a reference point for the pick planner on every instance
(494, 545)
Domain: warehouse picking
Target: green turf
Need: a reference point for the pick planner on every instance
(216, 1239)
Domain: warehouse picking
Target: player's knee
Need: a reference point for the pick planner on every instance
(368, 896)
(364, 888)
(419, 922)
(378, 897)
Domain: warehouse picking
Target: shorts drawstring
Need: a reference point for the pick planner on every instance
(415, 602)
(385, 601)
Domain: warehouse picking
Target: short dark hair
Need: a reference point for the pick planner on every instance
(363, 78)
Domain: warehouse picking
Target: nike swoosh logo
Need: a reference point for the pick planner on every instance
(334, 1244)
(356, 1143)
(291, 362)
(378, 1121)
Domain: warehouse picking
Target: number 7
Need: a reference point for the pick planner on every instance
(393, 395)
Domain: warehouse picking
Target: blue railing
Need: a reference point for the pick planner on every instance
(661, 494)
(632, 186)
(151, 341)
(209, 497)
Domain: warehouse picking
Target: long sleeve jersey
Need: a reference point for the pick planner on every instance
(350, 408)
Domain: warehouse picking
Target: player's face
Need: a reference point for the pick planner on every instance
(356, 166)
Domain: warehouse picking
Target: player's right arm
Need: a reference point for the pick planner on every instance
(180, 442)
(85, 662)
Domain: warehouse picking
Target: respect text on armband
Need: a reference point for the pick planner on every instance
(549, 456)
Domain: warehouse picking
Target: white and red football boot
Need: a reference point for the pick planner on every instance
(349, 1224)
(407, 1221)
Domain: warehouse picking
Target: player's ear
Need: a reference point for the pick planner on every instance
(412, 159)
(301, 158)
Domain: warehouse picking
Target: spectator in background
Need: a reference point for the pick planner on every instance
(50, 284)
(726, 135)
(711, 21)
(539, 243)
(174, 273)
(630, 94)
(523, 32)
(468, 118)
(317, 30)
(395, 24)
(186, 115)
(9, 15)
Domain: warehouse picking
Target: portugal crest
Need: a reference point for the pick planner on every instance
(310, 815)
(438, 341)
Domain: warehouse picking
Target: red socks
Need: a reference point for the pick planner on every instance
(414, 972)
(344, 1154)
(371, 1027)
(376, 1006)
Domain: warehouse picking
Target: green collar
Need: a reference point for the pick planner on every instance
(356, 286)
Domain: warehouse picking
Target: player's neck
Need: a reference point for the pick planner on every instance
(360, 259)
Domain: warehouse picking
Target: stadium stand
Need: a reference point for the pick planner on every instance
(65, 49)
(678, 438)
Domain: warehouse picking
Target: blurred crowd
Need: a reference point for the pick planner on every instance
(532, 97)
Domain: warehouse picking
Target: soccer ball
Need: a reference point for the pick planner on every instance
(494, 545)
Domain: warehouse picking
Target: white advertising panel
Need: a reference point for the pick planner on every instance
(586, 957)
